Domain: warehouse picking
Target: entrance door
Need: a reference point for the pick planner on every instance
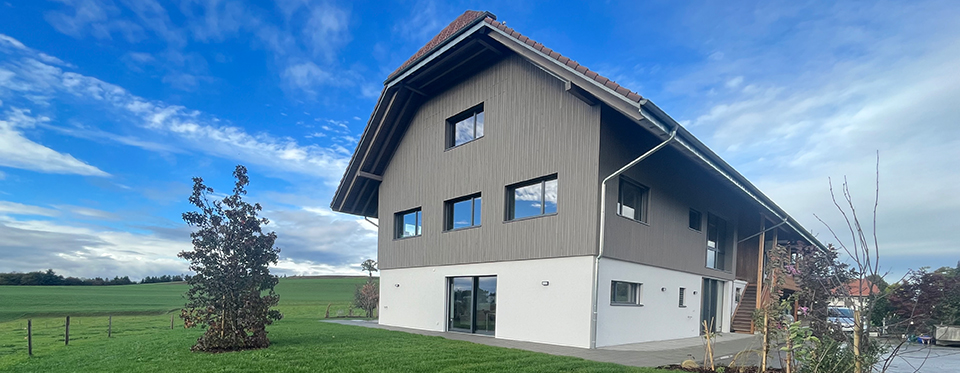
(473, 304)
(711, 294)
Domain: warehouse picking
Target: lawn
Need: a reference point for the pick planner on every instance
(143, 341)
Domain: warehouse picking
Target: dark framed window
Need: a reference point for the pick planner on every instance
(463, 212)
(465, 127)
(716, 242)
(624, 293)
(532, 198)
(683, 294)
(696, 219)
(408, 223)
(632, 202)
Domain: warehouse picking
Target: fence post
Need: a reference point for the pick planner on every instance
(109, 326)
(66, 334)
(30, 337)
(171, 322)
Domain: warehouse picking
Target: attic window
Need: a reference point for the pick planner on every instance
(465, 127)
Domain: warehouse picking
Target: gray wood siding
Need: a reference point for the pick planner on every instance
(676, 184)
(532, 128)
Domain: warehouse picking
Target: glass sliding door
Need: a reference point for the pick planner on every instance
(461, 304)
(486, 305)
(473, 304)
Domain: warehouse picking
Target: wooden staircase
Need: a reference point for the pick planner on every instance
(743, 315)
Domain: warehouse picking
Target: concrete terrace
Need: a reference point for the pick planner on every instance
(647, 354)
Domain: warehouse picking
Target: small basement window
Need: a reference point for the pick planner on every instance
(408, 223)
(624, 293)
(683, 294)
(465, 127)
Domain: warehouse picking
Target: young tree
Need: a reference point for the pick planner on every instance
(367, 297)
(370, 266)
(232, 292)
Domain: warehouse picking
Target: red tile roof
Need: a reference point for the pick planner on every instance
(452, 29)
(859, 288)
(470, 16)
(862, 288)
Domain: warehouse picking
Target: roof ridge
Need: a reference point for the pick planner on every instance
(471, 17)
(624, 91)
(458, 25)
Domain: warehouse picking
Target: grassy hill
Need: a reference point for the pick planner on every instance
(143, 341)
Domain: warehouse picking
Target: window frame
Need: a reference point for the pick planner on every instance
(448, 211)
(699, 227)
(511, 203)
(643, 196)
(720, 251)
(398, 223)
(450, 138)
(635, 289)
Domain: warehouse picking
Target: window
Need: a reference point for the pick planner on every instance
(632, 202)
(532, 198)
(624, 293)
(716, 242)
(695, 220)
(408, 223)
(683, 294)
(465, 127)
(462, 212)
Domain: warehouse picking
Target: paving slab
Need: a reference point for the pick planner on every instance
(647, 354)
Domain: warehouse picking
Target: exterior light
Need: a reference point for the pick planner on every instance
(396, 285)
(545, 283)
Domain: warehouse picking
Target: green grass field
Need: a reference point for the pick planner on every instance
(143, 341)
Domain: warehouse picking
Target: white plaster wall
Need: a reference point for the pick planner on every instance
(526, 310)
(660, 317)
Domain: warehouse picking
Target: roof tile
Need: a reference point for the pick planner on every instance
(454, 27)
(470, 16)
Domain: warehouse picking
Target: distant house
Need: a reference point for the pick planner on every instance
(855, 292)
(524, 196)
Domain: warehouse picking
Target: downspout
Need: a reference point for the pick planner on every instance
(603, 219)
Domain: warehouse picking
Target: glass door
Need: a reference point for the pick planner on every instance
(473, 304)
(461, 304)
(486, 305)
(710, 304)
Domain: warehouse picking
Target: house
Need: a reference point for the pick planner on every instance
(523, 196)
(856, 293)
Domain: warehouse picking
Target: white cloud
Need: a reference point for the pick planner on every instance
(326, 30)
(17, 151)
(87, 252)
(14, 208)
(426, 19)
(189, 128)
(834, 90)
(734, 82)
(305, 76)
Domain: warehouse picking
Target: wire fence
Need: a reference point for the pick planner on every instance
(47, 333)
(16, 337)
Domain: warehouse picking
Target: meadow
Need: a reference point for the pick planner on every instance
(142, 340)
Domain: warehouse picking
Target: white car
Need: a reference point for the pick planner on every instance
(842, 317)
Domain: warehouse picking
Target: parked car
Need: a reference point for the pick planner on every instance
(842, 317)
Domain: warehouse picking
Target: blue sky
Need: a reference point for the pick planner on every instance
(108, 108)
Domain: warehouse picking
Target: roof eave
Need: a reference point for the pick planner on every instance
(448, 40)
